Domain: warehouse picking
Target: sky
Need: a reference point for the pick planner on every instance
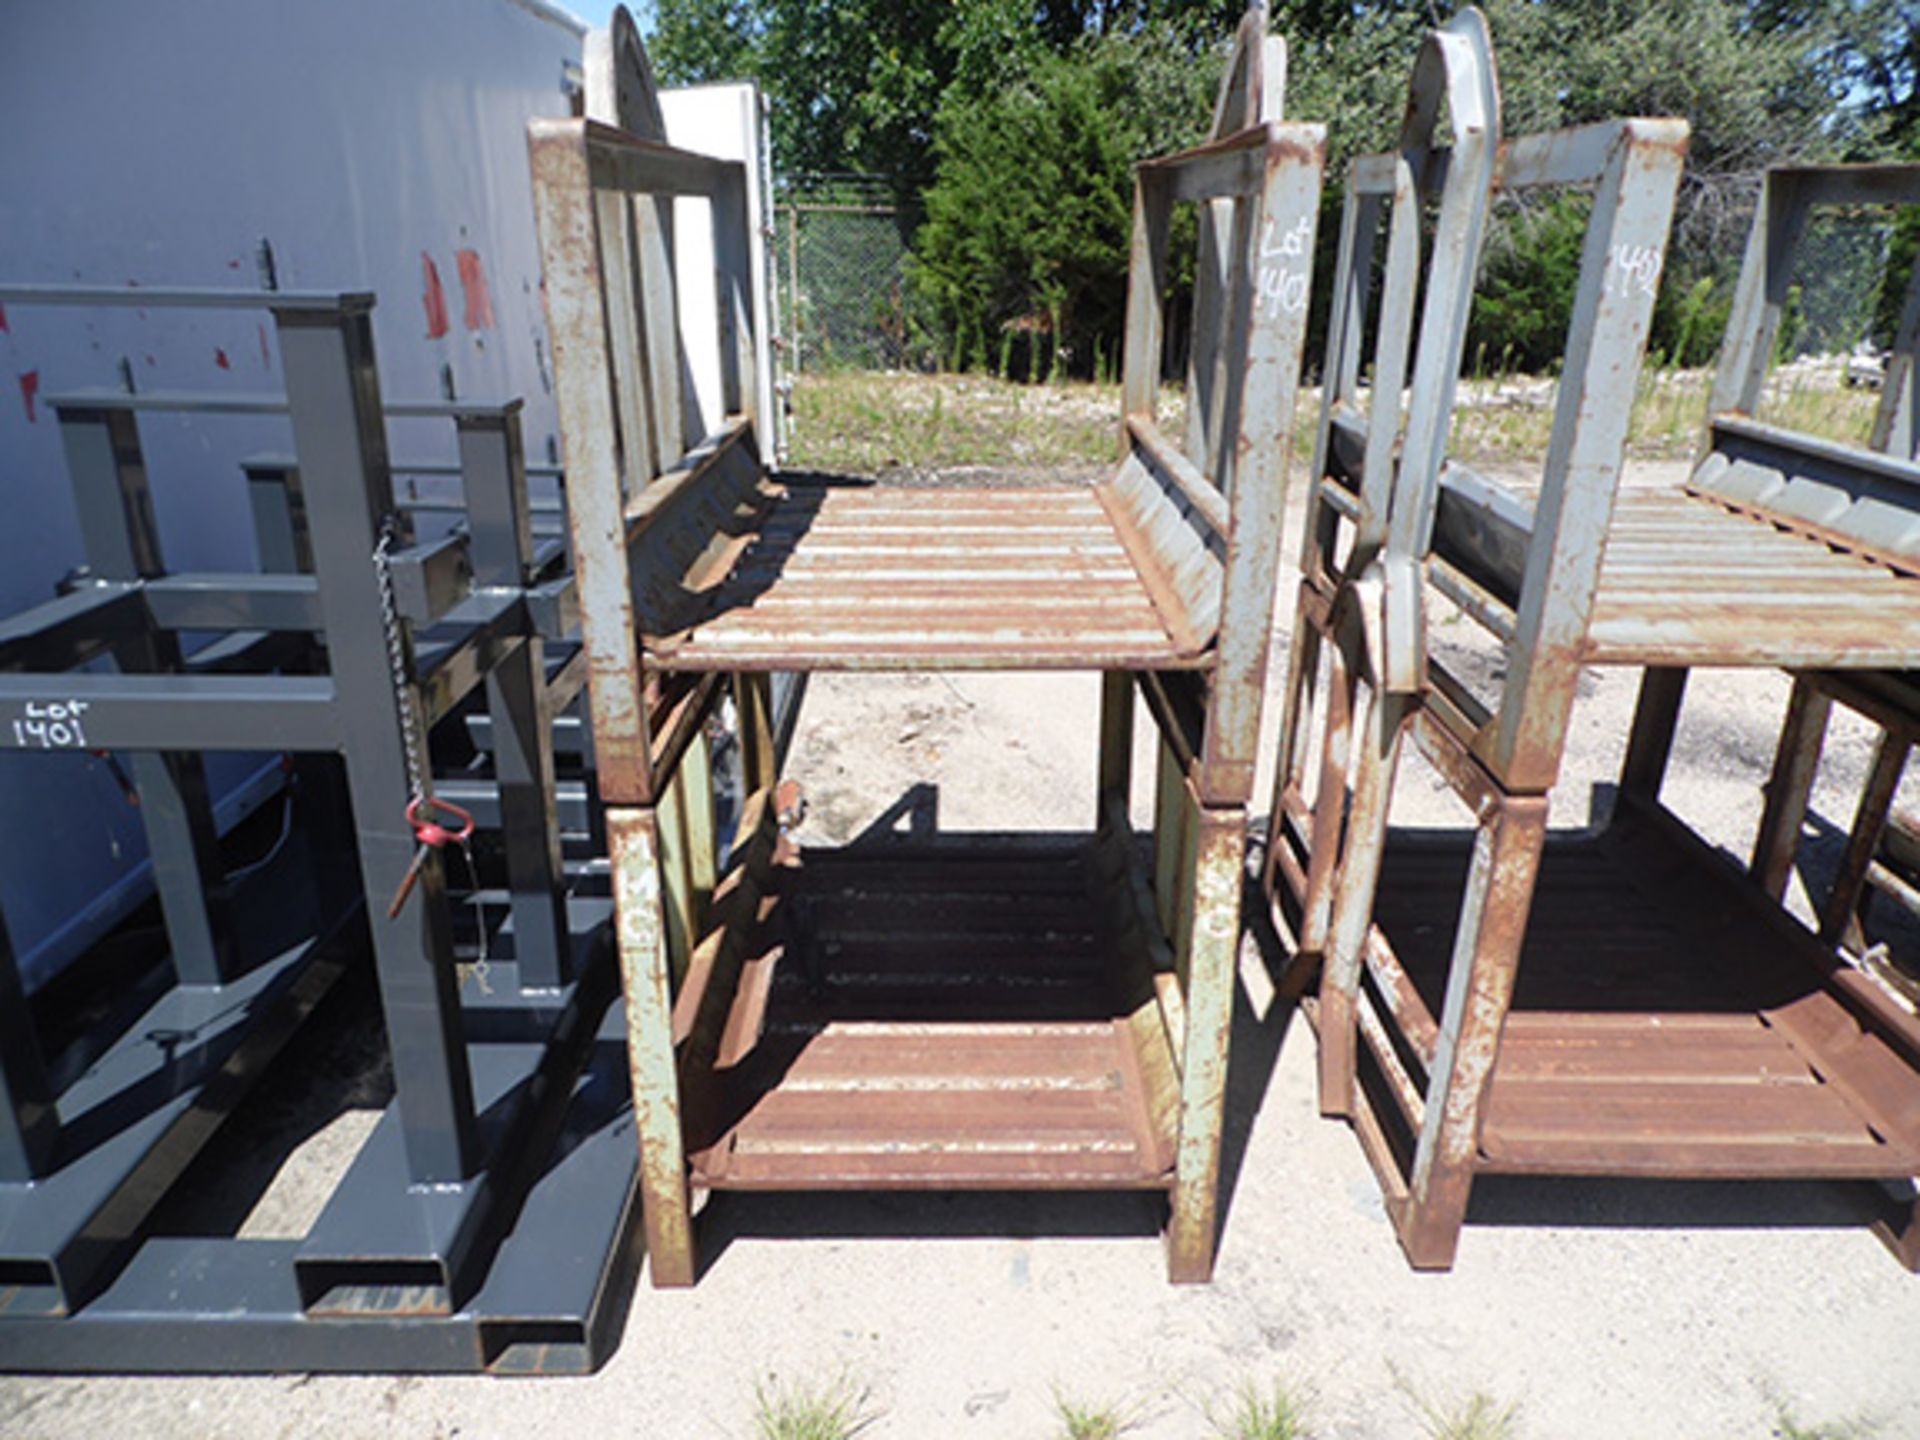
(596, 12)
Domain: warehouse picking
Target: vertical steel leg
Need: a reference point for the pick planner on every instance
(279, 505)
(176, 811)
(333, 392)
(676, 878)
(753, 699)
(1184, 890)
(699, 829)
(494, 473)
(529, 816)
(1362, 850)
(1899, 1230)
(1249, 458)
(122, 540)
(1839, 918)
(1650, 744)
(1329, 823)
(1289, 766)
(1480, 976)
(29, 1124)
(640, 920)
(1211, 953)
(1116, 744)
(733, 274)
(1169, 831)
(590, 778)
(1794, 763)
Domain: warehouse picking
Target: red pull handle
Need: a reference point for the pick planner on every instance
(436, 821)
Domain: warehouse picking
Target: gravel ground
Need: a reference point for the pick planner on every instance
(1598, 1309)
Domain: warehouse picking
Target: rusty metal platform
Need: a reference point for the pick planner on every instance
(1665, 1021)
(1688, 580)
(1693, 577)
(850, 575)
(935, 1017)
(961, 1023)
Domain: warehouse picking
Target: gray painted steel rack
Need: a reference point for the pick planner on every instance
(484, 1224)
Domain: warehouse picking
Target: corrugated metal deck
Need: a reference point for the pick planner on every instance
(1690, 581)
(888, 577)
(939, 1019)
(1662, 1024)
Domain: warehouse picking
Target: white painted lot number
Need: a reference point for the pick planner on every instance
(1633, 267)
(51, 725)
(1283, 273)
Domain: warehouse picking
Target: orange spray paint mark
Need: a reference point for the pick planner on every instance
(29, 391)
(473, 283)
(435, 298)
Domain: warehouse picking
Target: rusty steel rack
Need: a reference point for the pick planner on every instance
(484, 1224)
(1882, 846)
(1624, 1003)
(1012, 1013)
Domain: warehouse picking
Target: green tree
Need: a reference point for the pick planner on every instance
(1028, 222)
(1527, 283)
(982, 105)
(1756, 91)
(857, 85)
(852, 85)
(696, 40)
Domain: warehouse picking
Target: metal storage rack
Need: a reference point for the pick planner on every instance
(1625, 1003)
(1013, 1014)
(484, 1223)
(1879, 853)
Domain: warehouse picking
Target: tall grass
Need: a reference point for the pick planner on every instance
(867, 423)
(1510, 418)
(1083, 1421)
(798, 1410)
(1257, 1414)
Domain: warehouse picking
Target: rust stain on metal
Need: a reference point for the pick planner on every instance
(640, 926)
(1203, 1076)
(822, 1046)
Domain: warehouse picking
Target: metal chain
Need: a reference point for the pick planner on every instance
(397, 659)
(480, 968)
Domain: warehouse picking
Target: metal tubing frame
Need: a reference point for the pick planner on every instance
(332, 393)
(1259, 186)
(608, 304)
(602, 199)
(122, 542)
(1255, 260)
(333, 399)
(1787, 196)
(1638, 164)
(1366, 612)
(493, 465)
(611, 314)
(1455, 64)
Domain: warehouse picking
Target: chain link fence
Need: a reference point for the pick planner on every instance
(841, 259)
(841, 267)
(1839, 274)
